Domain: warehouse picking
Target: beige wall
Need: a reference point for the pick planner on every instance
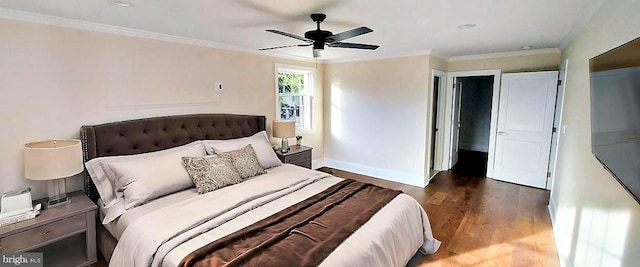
(54, 79)
(514, 63)
(368, 91)
(596, 222)
(375, 117)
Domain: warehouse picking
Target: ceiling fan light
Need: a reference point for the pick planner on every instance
(318, 53)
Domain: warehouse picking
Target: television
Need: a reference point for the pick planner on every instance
(615, 113)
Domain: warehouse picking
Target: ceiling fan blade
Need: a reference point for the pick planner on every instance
(348, 34)
(284, 46)
(291, 35)
(353, 45)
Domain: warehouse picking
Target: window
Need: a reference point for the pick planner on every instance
(294, 95)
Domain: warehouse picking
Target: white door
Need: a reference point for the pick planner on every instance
(555, 138)
(525, 122)
(455, 126)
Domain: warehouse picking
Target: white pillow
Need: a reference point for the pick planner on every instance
(147, 178)
(106, 185)
(259, 141)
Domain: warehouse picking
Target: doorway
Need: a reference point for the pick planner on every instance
(471, 120)
(474, 124)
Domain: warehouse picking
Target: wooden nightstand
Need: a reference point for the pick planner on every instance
(300, 156)
(66, 234)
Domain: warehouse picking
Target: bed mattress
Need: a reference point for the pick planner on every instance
(164, 231)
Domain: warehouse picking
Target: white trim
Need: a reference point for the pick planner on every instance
(104, 28)
(552, 214)
(312, 82)
(431, 177)
(552, 211)
(439, 142)
(294, 68)
(317, 163)
(386, 174)
(449, 113)
(493, 128)
(507, 54)
(564, 67)
(438, 55)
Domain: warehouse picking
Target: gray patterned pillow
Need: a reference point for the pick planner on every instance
(246, 162)
(211, 172)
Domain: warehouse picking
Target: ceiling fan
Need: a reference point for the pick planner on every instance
(318, 38)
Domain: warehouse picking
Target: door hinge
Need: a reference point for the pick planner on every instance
(554, 129)
(548, 174)
(559, 82)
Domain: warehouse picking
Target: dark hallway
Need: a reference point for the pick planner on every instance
(471, 163)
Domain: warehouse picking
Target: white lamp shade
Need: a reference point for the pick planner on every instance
(52, 159)
(284, 129)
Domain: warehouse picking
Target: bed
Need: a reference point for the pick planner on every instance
(164, 229)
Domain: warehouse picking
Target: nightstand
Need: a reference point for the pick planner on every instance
(300, 156)
(65, 234)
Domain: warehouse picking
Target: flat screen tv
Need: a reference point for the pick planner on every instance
(615, 113)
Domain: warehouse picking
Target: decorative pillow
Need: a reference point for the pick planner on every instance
(245, 162)
(211, 172)
(259, 141)
(145, 178)
(106, 185)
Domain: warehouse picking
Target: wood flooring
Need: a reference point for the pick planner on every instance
(481, 221)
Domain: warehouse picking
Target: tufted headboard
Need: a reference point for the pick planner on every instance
(153, 134)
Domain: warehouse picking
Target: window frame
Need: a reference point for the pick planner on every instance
(308, 91)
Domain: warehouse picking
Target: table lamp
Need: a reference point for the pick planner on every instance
(53, 160)
(284, 130)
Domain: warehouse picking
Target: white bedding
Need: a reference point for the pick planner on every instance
(164, 231)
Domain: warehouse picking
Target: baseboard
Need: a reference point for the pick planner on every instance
(552, 214)
(552, 211)
(317, 163)
(386, 174)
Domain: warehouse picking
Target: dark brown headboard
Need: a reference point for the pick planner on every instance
(153, 134)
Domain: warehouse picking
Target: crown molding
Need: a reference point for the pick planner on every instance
(507, 54)
(588, 12)
(440, 56)
(379, 57)
(110, 29)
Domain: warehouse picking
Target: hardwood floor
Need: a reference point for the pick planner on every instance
(481, 221)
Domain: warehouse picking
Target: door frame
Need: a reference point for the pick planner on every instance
(560, 93)
(439, 142)
(448, 113)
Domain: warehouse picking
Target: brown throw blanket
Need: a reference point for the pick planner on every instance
(301, 235)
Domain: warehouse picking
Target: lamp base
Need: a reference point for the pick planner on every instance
(57, 201)
(285, 145)
(57, 193)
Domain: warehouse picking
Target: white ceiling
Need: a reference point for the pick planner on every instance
(401, 27)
